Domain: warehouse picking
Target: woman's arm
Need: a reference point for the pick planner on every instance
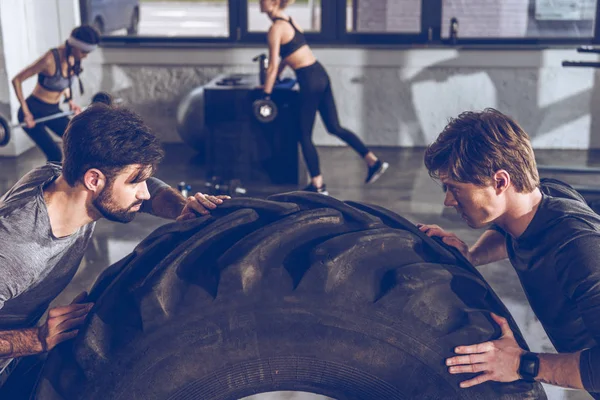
(282, 66)
(274, 38)
(42, 65)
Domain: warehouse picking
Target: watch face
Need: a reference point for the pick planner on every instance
(529, 366)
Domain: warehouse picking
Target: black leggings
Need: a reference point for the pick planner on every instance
(316, 95)
(38, 133)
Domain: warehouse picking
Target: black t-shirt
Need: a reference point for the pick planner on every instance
(557, 259)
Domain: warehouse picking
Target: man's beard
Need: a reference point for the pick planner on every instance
(104, 203)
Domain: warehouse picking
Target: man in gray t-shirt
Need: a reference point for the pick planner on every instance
(48, 217)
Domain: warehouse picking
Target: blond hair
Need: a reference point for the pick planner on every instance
(284, 3)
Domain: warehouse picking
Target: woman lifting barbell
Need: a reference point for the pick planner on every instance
(56, 70)
(286, 40)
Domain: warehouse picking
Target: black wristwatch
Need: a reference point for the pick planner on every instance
(529, 367)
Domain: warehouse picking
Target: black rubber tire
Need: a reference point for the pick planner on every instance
(303, 292)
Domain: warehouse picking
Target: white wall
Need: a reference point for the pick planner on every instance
(29, 28)
(390, 97)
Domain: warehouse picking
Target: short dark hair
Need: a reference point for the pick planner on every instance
(110, 139)
(475, 145)
(87, 34)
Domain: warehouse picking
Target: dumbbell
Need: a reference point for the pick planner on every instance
(6, 128)
(218, 186)
(265, 110)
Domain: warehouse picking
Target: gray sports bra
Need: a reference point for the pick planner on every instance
(56, 82)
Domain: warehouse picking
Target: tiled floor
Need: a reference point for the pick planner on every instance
(406, 189)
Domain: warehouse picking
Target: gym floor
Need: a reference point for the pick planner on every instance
(406, 189)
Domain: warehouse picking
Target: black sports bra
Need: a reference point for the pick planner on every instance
(297, 41)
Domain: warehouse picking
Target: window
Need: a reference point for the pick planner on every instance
(520, 18)
(339, 22)
(164, 18)
(383, 16)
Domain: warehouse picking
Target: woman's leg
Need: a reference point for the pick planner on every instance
(309, 103)
(310, 96)
(43, 139)
(308, 111)
(329, 114)
(58, 125)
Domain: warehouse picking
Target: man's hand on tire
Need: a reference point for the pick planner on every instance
(448, 238)
(200, 205)
(63, 323)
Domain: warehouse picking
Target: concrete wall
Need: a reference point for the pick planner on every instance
(389, 97)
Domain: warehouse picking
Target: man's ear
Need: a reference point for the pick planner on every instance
(94, 180)
(501, 181)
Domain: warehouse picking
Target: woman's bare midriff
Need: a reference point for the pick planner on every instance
(303, 57)
(46, 96)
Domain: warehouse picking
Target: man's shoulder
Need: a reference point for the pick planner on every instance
(564, 222)
(40, 175)
(28, 185)
(560, 189)
(564, 205)
(574, 236)
(569, 219)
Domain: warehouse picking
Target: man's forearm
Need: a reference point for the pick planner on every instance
(167, 203)
(490, 247)
(18, 343)
(560, 370)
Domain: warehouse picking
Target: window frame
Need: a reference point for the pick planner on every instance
(325, 36)
(333, 33)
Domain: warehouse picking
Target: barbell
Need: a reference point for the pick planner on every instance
(6, 127)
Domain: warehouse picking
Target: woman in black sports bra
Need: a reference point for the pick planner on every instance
(287, 41)
(58, 71)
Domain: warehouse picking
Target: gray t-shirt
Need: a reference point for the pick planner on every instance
(35, 266)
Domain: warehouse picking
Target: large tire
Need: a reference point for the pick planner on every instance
(302, 292)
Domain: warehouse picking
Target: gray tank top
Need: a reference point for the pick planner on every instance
(56, 82)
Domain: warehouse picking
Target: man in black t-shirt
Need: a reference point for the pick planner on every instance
(552, 238)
